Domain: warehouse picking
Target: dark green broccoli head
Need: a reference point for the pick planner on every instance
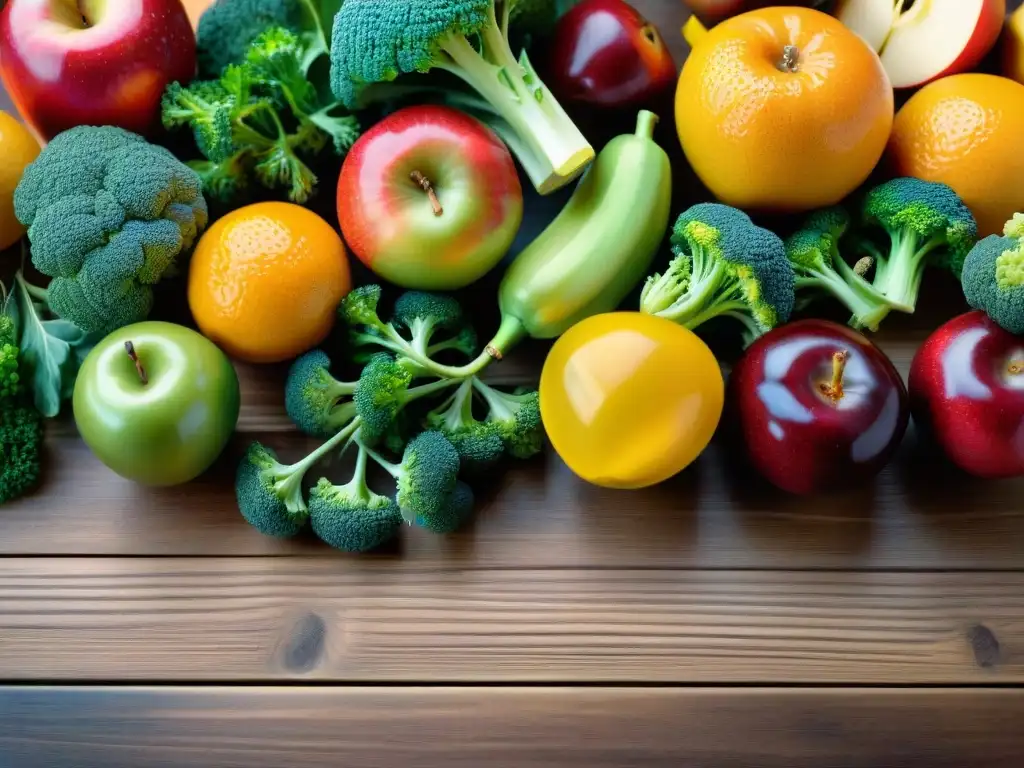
(352, 518)
(930, 214)
(711, 227)
(425, 313)
(427, 475)
(107, 216)
(833, 221)
(375, 41)
(453, 514)
(380, 394)
(480, 447)
(766, 278)
(228, 27)
(269, 493)
(21, 443)
(312, 396)
(993, 278)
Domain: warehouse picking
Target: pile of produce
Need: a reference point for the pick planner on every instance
(164, 163)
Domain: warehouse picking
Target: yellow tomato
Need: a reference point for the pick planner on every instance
(629, 400)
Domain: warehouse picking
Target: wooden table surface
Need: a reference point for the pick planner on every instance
(705, 622)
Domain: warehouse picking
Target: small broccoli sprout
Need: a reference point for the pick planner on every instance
(821, 269)
(479, 443)
(993, 276)
(269, 493)
(352, 517)
(724, 266)
(426, 475)
(516, 417)
(424, 314)
(313, 397)
(453, 514)
(926, 223)
(383, 391)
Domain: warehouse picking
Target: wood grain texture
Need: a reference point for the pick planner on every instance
(359, 620)
(509, 727)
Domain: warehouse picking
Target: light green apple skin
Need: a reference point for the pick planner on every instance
(170, 430)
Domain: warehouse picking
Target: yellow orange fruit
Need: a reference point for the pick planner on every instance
(783, 109)
(265, 281)
(18, 148)
(965, 131)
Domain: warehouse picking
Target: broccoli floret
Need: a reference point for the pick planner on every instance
(10, 380)
(453, 514)
(269, 493)
(260, 118)
(383, 391)
(724, 265)
(375, 41)
(426, 476)
(820, 268)
(927, 224)
(21, 442)
(424, 314)
(108, 214)
(228, 28)
(993, 276)
(465, 342)
(312, 396)
(479, 444)
(352, 517)
(516, 417)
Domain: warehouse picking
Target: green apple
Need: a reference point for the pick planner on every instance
(157, 402)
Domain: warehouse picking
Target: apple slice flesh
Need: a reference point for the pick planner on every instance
(939, 37)
(871, 19)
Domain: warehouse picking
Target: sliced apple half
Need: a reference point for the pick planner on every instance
(922, 40)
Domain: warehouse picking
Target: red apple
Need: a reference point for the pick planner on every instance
(927, 40)
(429, 199)
(818, 406)
(604, 52)
(967, 393)
(93, 62)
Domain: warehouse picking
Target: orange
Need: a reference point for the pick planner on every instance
(782, 109)
(965, 131)
(18, 148)
(265, 281)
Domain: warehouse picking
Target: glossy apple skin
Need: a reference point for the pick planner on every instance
(169, 430)
(604, 52)
(964, 398)
(112, 73)
(388, 221)
(797, 437)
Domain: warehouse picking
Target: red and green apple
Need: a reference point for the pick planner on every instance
(93, 62)
(429, 199)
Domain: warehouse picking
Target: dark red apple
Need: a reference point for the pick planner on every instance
(604, 52)
(967, 393)
(93, 62)
(818, 406)
(429, 199)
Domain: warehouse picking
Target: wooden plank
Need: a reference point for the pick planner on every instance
(216, 619)
(508, 727)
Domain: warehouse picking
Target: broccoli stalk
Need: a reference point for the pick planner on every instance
(468, 39)
(516, 418)
(724, 266)
(352, 517)
(820, 268)
(926, 223)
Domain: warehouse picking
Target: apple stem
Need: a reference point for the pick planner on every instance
(834, 388)
(130, 349)
(1015, 367)
(424, 183)
(790, 58)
